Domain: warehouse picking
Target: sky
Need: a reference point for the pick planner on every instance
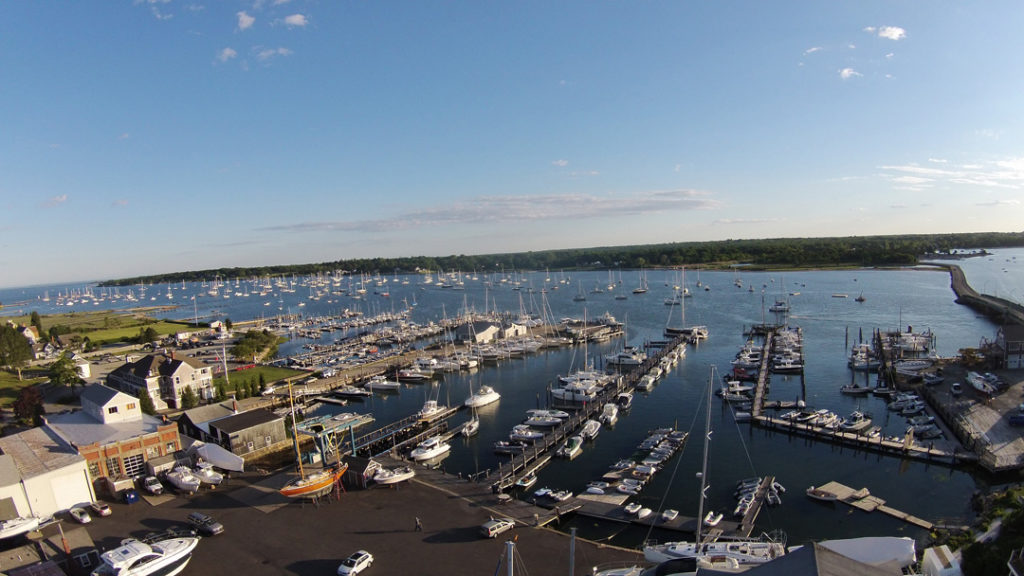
(157, 136)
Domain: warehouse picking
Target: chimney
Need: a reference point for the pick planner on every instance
(234, 406)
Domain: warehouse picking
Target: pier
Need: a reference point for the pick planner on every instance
(862, 499)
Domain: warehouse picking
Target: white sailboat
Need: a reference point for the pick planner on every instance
(743, 552)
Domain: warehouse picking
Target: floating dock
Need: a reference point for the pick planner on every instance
(862, 499)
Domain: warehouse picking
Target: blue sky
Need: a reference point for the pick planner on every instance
(163, 135)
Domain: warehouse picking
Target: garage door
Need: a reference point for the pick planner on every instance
(70, 489)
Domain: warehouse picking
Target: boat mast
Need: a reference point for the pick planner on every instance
(704, 466)
(295, 432)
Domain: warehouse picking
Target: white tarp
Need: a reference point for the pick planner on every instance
(218, 456)
(875, 550)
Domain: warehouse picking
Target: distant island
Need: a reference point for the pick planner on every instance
(772, 253)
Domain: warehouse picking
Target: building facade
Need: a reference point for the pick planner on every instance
(164, 378)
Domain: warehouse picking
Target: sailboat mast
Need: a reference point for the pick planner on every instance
(295, 431)
(704, 466)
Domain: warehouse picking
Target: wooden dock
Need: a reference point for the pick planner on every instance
(862, 499)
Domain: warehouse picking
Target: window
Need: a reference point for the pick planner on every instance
(113, 466)
(250, 446)
(134, 465)
(171, 447)
(130, 406)
(94, 469)
(112, 410)
(152, 452)
(269, 440)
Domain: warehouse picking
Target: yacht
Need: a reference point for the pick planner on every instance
(381, 383)
(429, 448)
(524, 433)
(629, 356)
(542, 421)
(582, 391)
(16, 526)
(135, 558)
(484, 396)
(560, 414)
(205, 472)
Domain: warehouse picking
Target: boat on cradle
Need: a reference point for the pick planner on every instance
(823, 495)
(590, 429)
(16, 526)
(205, 472)
(382, 383)
(484, 396)
(527, 480)
(979, 383)
(609, 414)
(572, 448)
(313, 484)
(742, 552)
(430, 448)
(393, 475)
(624, 400)
(135, 558)
(183, 479)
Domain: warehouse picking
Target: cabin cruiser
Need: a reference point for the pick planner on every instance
(609, 414)
(15, 526)
(581, 391)
(629, 356)
(430, 448)
(484, 396)
(571, 449)
(624, 400)
(381, 383)
(205, 472)
(560, 414)
(542, 421)
(135, 558)
(430, 410)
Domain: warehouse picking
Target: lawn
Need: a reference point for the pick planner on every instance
(10, 386)
(109, 326)
(271, 374)
(111, 335)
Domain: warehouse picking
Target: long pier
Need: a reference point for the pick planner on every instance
(862, 499)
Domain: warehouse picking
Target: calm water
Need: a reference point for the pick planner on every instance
(918, 298)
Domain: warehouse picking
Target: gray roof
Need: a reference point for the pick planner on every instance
(79, 429)
(38, 451)
(9, 474)
(98, 394)
(815, 560)
(245, 420)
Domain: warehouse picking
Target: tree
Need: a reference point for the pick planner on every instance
(189, 399)
(28, 407)
(220, 393)
(263, 383)
(253, 387)
(228, 324)
(36, 321)
(64, 373)
(15, 351)
(146, 403)
(147, 335)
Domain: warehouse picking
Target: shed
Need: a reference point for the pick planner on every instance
(360, 471)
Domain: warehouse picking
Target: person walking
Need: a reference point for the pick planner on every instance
(419, 525)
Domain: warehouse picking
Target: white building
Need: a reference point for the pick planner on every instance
(41, 474)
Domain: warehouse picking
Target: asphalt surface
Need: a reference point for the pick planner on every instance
(300, 538)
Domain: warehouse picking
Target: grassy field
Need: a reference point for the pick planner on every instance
(271, 374)
(10, 386)
(111, 335)
(109, 326)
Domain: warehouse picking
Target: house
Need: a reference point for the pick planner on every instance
(1010, 340)
(249, 434)
(479, 332)
(41, 474)
(165, 378)
(513, 330)
(113, 435)
(31, 333)
(57, 553)
(195, 422)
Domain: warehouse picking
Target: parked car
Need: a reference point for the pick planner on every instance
(80, 515)
(152, 485)
(495, 526)
(100, 508)
(355, 563)
(204, 524)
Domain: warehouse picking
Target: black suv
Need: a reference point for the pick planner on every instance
(205, 524)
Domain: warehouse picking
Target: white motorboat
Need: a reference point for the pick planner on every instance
(581, 391)
(484, 396)
(15, 526)
(669, 515)
(429, 448)
(632, 508)
(571, 449)
(542, 421)
(134, 558)
(624, 400)
(393, 475)
(560, 495)
(527, 480)
(609, 414)
(382, 383)
(590, 429)
(560, 414)
(524, 433)
(430, 410)
(711, 519)
(205, 472)
(183, 479)
(629, 356)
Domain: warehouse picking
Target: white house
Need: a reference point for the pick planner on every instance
(41, 474)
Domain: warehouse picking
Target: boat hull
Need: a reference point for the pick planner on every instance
(313, 485)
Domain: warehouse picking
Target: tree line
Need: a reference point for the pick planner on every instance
(899, 250)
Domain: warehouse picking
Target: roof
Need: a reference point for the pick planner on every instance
(9, 474)
(79, 429)
(201, 416)
(38, 451)
(814, 560)
(245, 420)
(1013, 332)
(98, 394)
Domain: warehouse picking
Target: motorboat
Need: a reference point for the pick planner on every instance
(669, 515)
(590, 429)
(484, 396)
(413, 375)
(16, 526)
(560, 495)
(711, 519)
(135, 558)
(393, 475)
(609, 414)
(823, 495)
(526, 480)
(354, 392)
(382, 383)
(542, 492)
(629, 356)
(632, 508)
(980, 383)
(571, 449)
(429, 448)
(506, 447)
(431, 409)
(643, 513)
(524, 433)
(597, 487)
(542, 421)
(205, 472)
(560, 414)
(624, 400)
(183, 479)
(581, 391)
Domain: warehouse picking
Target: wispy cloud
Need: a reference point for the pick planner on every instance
(56, 201)
(245, 21)
(734, 221)
(486, 209)
(812, 50)
(124, 136)
(892, 32)
(1010, 202)
(1006, 174)
(847, 73)
(265, 54)
(560, 163)
(226, 54)
(295, 20)
(154, 8)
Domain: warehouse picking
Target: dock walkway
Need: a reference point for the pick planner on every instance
(862, 499)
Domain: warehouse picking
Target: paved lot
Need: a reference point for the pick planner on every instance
(305, 539)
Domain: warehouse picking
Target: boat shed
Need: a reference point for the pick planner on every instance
(41, 474)
(250, 434)
(360, 471)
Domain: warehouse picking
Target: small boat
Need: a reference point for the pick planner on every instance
(429, 448)
(597, 487)
(644, 513)
(609, 414)
(854, 390)
(560, 495)
(16, 526)
(484, 396)
(560, 414)
(431, 409)
(571, 449)
(527, 480)
(712, 519)
(205, 472)
(183, 479)
(506, 447)
(393, 475)
(669, 515)
(624, 400)
(860, 298)
(523, 432)
(823, 495)
(542, 492)
(353, 392)
(632, 508)
(381, 383)
(134, 558)
(590, 429)
(542, 421)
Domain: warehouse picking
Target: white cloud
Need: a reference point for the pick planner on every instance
(812, 50)
(892, 32)
(745, 220)
(279, 2)
(56, 200)
(870, 29)
(560, 163)
(295, 20)
(1006, 174)
(226, 54)
(847, 73)
(938, 160)
(120, 202)
(245, 21)
(889, 56)
(265, 54)
(999, 203)
(124, 136)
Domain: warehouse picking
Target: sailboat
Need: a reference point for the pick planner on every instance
(314, 484)
(694, 334)
(741, 552)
